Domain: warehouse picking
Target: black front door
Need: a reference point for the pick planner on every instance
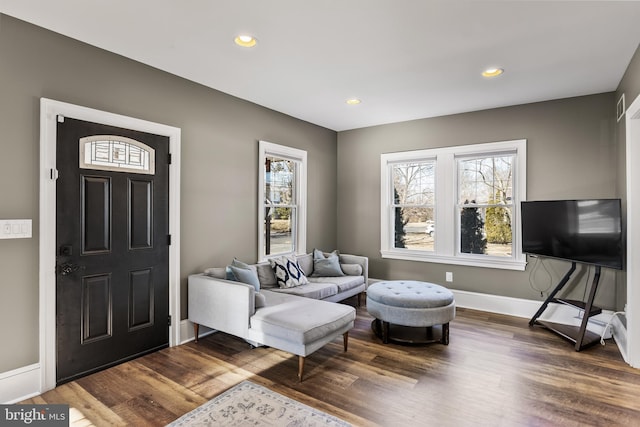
(112, 281)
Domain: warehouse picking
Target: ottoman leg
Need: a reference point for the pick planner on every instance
(345, 340)
(429, 333)
(385, 332)
(445, 334)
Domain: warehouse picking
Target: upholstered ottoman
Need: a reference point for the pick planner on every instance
(412, 304)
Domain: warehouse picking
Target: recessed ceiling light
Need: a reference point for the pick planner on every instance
(353, 101)
(245, 40)
(492, 72)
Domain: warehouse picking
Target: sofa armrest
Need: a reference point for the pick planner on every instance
(363, 261)
(221, 304)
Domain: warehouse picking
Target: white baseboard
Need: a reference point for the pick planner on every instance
(620, 336)
(20, 384)
(558, 313)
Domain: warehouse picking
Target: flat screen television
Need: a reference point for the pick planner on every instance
(585, 231)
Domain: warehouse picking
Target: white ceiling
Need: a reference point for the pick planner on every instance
(405, 59)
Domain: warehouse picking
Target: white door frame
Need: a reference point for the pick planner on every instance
(49, 112)
(633, 232)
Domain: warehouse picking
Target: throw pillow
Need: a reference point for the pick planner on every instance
(237, 263)
(266, 276)
(328, 266)
(351, 269)
(288, 272)
(261, 301)
(242, 272)
(217, 272)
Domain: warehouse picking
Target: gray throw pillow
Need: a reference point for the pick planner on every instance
(244, 273)
(217, 272)
(261, 301)
(351, 269)
(326, 266)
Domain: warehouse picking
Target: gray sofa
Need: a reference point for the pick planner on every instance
(328, 288)
(299, 320)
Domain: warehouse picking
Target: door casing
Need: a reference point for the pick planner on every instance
(49, 112)
(633, 232)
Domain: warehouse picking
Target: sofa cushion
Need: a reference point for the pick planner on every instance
(246, 275)
(302, 320)
(343, 283)
(311, 290)
(217, 272)
(288, 272)
(351, 269)
(266, 275)
(261, 301)
(305, 261)
(326, 266)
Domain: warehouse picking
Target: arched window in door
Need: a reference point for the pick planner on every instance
(116, 153)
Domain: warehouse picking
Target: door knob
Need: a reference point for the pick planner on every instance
(68, 268)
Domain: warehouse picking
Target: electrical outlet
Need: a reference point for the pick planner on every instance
(449, 276)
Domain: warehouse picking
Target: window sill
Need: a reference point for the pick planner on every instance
(472, 260)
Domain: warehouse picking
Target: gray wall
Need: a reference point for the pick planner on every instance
(219, 161)
(571, 153)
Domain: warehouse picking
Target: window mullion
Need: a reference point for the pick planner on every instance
(446, 225)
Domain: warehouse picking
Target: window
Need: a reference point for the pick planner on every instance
(413, 204)
(116, 153)
(455, 205)
(282, 200)
(485, 203)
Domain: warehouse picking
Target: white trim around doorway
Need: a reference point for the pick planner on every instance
(50, 110)
(633, 233)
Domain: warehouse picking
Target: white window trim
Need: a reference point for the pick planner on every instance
(446, 248)
(300, 234)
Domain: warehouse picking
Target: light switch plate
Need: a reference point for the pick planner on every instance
(15, 228)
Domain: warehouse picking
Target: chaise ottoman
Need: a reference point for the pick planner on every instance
(413, 304)
(300, 325)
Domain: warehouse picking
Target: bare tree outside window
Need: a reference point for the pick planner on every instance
(488, 183)
(414, 205)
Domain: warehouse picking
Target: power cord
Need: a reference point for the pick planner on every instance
(604, 331)
(538, 263)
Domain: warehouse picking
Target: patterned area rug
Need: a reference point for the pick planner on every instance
(249, 404)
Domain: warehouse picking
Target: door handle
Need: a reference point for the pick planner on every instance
(68, 268)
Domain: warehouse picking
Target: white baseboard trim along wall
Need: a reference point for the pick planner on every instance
(558, 313)
(24, 383)
(20, 384)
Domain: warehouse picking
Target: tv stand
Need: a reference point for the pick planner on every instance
(578, 335)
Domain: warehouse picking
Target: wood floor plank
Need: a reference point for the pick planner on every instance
(496, 371)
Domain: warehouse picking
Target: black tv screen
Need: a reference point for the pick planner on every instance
(585, 231)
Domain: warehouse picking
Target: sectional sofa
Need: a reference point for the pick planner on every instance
(266, 305)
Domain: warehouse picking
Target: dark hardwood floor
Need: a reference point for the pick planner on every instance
(496, 371)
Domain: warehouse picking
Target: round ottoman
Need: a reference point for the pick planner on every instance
(409, 303)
